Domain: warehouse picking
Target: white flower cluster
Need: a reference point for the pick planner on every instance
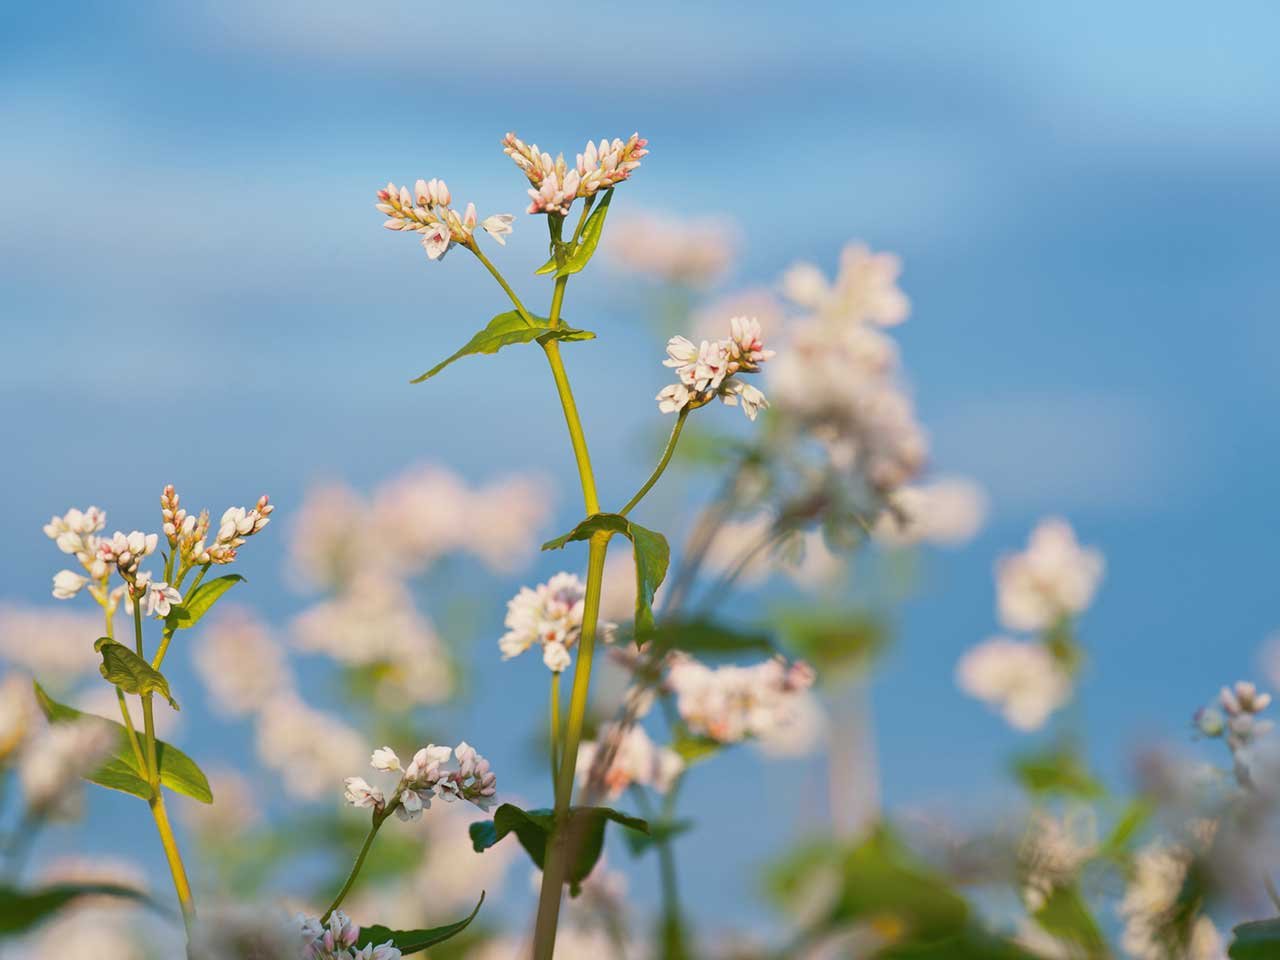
(1151, 911)
(240, 662)
(337, 939)
(188, 534)
(54, 761)
(549, 615)
(1241, 705)
(308, 747)
(732, 703)
(555, 185)
(49, 644)
(637, 760)
(423, 779)
(426, 211)
(838, 376)
(1053, 851)
(711, 368)
(948, 512)
(691, 253)
(1054, 578)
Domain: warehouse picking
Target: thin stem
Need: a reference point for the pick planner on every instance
(355, 868)
(195, 583)
(662, 464)
(582, 219)
(171, 854)
(162, 649)
(133, 735)
(585, 475)
(672, 926)
(1271, 890)
(502, 282)
(554, 747)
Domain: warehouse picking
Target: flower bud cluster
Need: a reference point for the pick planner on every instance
(734, 703)
(555, 185)
(236, 525)
(336, 940)
(126, 551)
(1241, 704)
(424, 779)
(711, 369)
(426, 211)
(75, 533)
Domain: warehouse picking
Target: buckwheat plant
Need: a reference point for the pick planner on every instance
(563, 615)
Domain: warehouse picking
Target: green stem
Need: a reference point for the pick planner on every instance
(554, 747)
(355, 868)
(502, 282)
(133, 734)
(662, 464)
(673, 946)
(165, 637)
(576, 437)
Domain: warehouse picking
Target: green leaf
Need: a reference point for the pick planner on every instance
(198, 602)
(834, 642)
(1259, 940)
(504, 330)
(659, 832)
(20, 910)
(128, 671)
(708, 638)
(693, 748)
(652, 556)
(584, 836)
(121, 772)
(1066, 916)
(1134, 818)
(590, 239)
(415, 941)
(548, 267)
(1056, 770)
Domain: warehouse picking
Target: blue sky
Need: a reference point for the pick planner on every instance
(195, 289)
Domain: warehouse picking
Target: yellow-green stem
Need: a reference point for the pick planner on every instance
(171, 854)
(355, 868)
(662, 464)
(576, 436)
(554, 731)
(133, 734)
(502, 282)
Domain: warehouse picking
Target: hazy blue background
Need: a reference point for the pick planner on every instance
(194, 288)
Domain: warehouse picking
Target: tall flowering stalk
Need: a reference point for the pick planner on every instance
(566, 611)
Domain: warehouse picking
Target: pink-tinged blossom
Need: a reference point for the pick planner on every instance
(709, 370)
(865, 289)
(157, 597)
(359, 793)
(554, 185)
(425, 778)
(126, 551)
(1053, 578)
(427, 211)
(637, 760)
(735, 703)
(549, 615)
(67, 583)
(1022, 680)
(498, 226)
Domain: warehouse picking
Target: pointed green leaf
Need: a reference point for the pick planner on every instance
(197, 603)
(1057, 769)
(504, 330)
(120, 771)
(533, 828)
(128, 671)
(21, 910)
(590, 239)
(1065, 915)
(548, 267)
(415, 941)
(652, 556)
(1259, 940)
(659, 832)
(693, 748)
(708, 638)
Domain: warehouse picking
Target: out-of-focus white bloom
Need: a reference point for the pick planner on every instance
(498, 226)
(311, 749)
(732, 703)
(636, 760)
(865, 290)
(359, 793)
(757, 303)
(572, 943)
(97, 934)
(1149, 909)
(53, 762)
(948, 512)
(55, 645)
(384, 758)
(1022, 680)
(239, 808)
(236, 931)
(741, 546)
(67, 583)
(689, 252)
(374, 621)
(241, 663)
(17, 713)
(1052, 852)
(806, 728)
(95, 870)
(158, 597)
(555, 185)
(1053, 578)
(618, 588)
(332, 537)
(550, 615)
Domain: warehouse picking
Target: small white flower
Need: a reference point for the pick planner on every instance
(636, 760)
(673, 397)
(734, 391)
(412, 803)
(556, 657)
(359, 793)
(436, 240)
(424, 768)
(549, 615)
(1022, 679)
(157, 598)
(498, 226)
(1053, 578)
(384, 758)
(67, 583)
